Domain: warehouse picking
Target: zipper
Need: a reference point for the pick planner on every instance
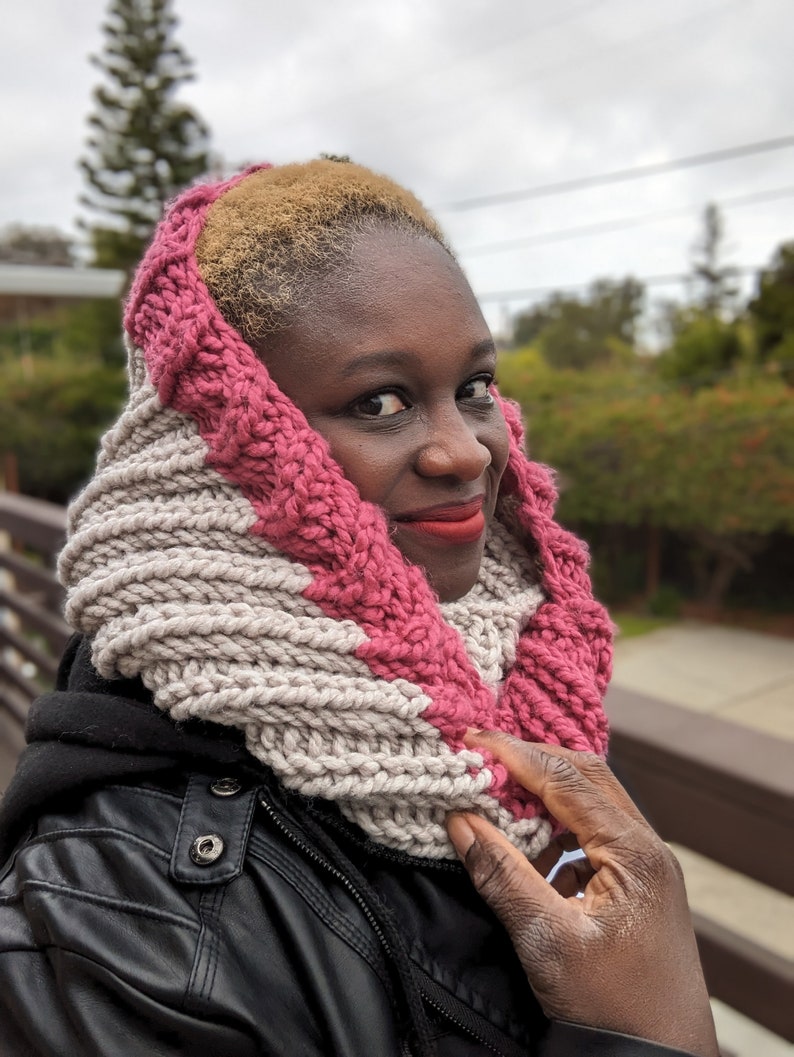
(336, 873)
(314, 856)
(463, 1027)
(498, 1043)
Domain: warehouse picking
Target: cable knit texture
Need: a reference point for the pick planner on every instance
(220, 553)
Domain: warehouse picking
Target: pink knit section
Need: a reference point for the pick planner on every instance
(258, 439)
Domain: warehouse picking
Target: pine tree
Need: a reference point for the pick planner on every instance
(713, 282)
(772, 311)
(143, 145)
(705, 337)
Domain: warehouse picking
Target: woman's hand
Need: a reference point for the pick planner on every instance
(622, 956)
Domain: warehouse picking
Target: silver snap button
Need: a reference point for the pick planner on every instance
(205, 850)
(225, 787)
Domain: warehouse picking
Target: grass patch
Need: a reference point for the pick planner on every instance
(633, 624)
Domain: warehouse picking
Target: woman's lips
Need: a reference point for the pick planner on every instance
(464, 523)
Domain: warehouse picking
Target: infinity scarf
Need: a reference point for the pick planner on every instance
(220, 554)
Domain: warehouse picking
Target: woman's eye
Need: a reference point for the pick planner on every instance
(380, 405)
(477, 389)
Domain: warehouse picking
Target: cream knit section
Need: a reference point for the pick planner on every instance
(493, 614)
(163, 573)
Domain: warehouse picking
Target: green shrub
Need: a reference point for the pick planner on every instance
(53, 413)
(715, 466)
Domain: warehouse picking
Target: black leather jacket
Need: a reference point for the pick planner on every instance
(162, 895)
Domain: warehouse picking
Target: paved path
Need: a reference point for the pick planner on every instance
(740, 676)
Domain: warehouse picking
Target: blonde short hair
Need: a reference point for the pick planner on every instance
(269, 239)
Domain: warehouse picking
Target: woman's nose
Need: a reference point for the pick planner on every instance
(452, 448)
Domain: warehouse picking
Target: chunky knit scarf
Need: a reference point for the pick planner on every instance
(220, 553)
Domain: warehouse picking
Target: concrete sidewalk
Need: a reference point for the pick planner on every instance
(744, 678)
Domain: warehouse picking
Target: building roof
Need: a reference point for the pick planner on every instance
(33, 280)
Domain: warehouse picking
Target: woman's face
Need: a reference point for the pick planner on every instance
(393, 364)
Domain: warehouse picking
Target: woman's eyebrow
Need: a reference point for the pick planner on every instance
(386, 358)
(398, 357)
(483, 348)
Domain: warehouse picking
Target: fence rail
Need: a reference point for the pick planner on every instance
(726, 792)
(32, 631)
(723, 791)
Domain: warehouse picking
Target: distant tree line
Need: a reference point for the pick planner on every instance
(686, 451)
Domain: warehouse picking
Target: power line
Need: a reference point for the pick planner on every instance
(467, 106)
(648, 280)
(637, 172)
(618, 223)
(464, 58)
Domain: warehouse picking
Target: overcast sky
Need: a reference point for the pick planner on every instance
(458, 99)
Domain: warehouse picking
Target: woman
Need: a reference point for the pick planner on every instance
(312, 558)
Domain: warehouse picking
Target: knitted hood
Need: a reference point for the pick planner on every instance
(220, 554)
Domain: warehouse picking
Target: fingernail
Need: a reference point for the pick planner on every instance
(472, 734)
(461, 834)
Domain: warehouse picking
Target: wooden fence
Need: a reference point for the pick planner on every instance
(726, 792)
(32, 630)
(721, 790)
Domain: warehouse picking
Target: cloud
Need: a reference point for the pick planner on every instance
(454, 98)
